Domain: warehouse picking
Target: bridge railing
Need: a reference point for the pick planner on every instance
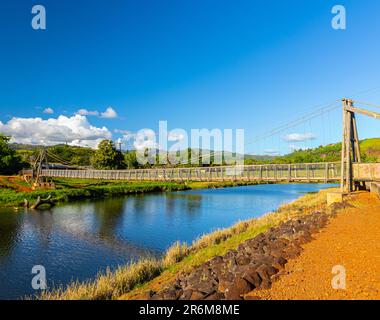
(366, 171)
(305, 172)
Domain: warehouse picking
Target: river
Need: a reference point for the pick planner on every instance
(75, 241)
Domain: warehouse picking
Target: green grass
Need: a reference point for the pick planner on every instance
(80, 189)
(71, 190)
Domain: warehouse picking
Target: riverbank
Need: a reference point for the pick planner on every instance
(13, 190)
(138, 280)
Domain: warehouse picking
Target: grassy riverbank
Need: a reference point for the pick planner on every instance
(135, 280)
(13, 190)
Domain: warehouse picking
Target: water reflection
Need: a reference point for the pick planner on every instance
(10, 225)
(109, 215)
(186, 204)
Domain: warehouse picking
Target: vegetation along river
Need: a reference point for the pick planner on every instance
(76, 241)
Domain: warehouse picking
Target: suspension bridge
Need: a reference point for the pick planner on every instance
(352, 173)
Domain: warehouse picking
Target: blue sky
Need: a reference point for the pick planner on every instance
(197, 64)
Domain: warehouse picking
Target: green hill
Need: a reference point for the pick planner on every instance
(370, 151)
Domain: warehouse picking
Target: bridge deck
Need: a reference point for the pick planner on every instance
(311, 172)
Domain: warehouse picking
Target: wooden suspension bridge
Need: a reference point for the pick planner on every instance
(312, 172)
(351, 172)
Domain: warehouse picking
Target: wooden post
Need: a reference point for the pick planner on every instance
(348, 152)
(343, 161)
(356, 138)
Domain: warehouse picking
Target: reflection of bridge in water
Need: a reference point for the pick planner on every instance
(306, 172)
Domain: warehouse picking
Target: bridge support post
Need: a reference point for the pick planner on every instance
(350, 146)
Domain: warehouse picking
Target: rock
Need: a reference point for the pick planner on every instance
(255, 265)
(186, 295)
(223, 285)
(253, 278)
(242, 259)
(238, 288)
(206, 287)
(172, 294)
(279, 262)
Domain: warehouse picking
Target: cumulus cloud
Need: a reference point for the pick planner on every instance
(48, 111)
(299, 137)
(110, 113)
(85, 112)
(75, 130)
(145, 139)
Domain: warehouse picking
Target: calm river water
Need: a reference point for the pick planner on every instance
(76, 241)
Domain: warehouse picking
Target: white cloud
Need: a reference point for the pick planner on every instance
(85, 112)
(48, 111)
(110, 113)
(124, 132)
(299, 137)
(145, 139)
(75, 130)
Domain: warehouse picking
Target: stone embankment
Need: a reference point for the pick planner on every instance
(256, 264)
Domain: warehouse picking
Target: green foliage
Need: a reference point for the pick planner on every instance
(370, 152)
(10, 161)
(76, 156)
(79, 189)
(107, 157)
(131, 160)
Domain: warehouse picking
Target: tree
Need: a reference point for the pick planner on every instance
(10, 161)
(131, 160)
(107, 157)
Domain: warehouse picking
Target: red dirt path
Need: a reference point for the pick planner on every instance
(352, 240)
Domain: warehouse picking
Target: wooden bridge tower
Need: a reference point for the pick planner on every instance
(38, 181)
(351, 145)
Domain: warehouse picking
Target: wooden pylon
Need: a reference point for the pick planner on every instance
(38, 180)
(350, 147)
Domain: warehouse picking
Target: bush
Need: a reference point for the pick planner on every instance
(10, 162)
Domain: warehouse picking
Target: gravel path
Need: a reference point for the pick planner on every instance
(352, 240)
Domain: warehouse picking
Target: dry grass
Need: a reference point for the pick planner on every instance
(175, 253)
(111, 284)
(179, 256)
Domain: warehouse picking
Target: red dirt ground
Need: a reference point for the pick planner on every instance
(352, 240)
(15, 183)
